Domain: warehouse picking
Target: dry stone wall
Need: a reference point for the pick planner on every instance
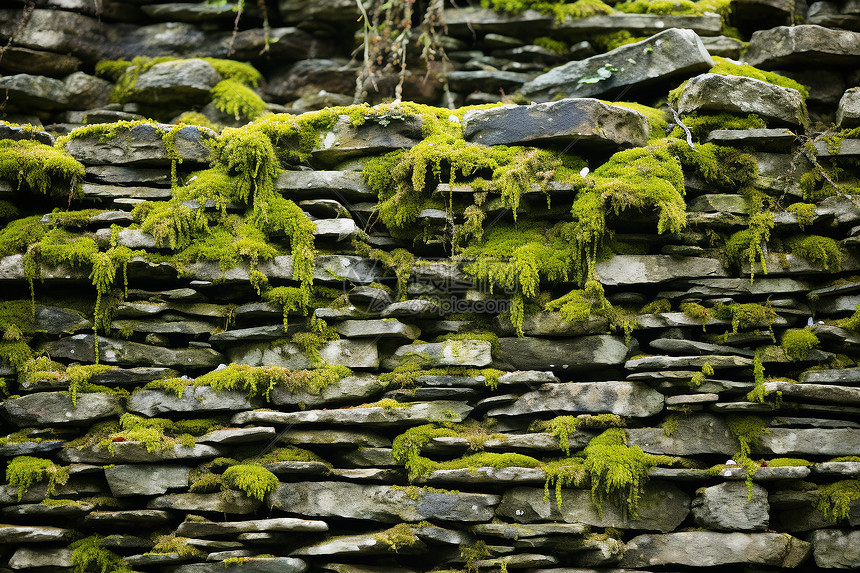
(611, 329)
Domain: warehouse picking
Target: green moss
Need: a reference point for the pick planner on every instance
(255, 480)
(25, 471)
(8, 211)
(173, 544)
(155, 434)
(727, 67)
(797, 342)
(816, 249)
(397, 537)
(805, 213)
(550, 44)
(656, 306)
(851, 323)
(748, 431)
(788, 462)
(488, 459)
(18, 235)
(579, 305)
(758, 393)
(746, 315)
(238, 100)
(406, 448)
(471, 554)
(90, 556)
(288, 454)
(16, 319)
(700, 125)
(835, 499)
(563, 427)
(400, 261)
(40, 168)
(696, 311)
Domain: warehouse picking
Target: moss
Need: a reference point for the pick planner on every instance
(746, 315)
(758, 393)
(797, 342)
(656, 306)
(851, 323)
(805, 213)
(400, 261)
(563, 427)
(397, 537)
(819, 250)
(471, 554)
(40, 168)
(700, 125)
(173, 544)
(8, 211)
(90, 556)
(155, 434)
(16, 319)
(289, 298)
(727, 67)
(748, 431)
(25, 471)
(312, 340)
(18, 235)
(238, 100)
(696, 311)
(488, 459)
(579, 305)
(788, 462)
(288, 454)
(835, 499)
(550, 44)
(385, 404)
(255, 480)
(406, 448)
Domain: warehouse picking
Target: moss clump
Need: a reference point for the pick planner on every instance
(238, 100)
(400, 261)
(397, 537)
(835, 499)
(90, 556)
(406, 448)
(255, 480)
(656, 306)
(745, 315)
(748, 431)
(851, 323)
(696, 311)
(758, 393)
(580, 304)
(172, 544)
(156, 434)
(797, 342)
(700, 125)
(788, 462)
(563, 427)
(24, 471)
(805, 213)
(288, 454)
(489, 460)
(41, 168)
(550, 44)
(816, 249)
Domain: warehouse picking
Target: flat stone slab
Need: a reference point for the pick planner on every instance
(149, 479)
(232, 528)
(650, 269)
(662, 508)
(182, 81)
(318, 183)
(687, 362)
(695, 434)
(485, 475)
(716, 93)
(766, 473)
(48, 408)
(416, 413)
(842, 376)
(238, 435)
(660, 58)
(590, 122)
(81, 348)
(42, 557)
(816, 392)
(135, 452)
(132, 518)
(836, 548)
(226, 501)
(805, 45)
(848, 112)
(562, 355)
(641, 24)
(552, 324)
(708, 549)
(153, 403)
(761, 138)
(246, 565)
(345, 140)
(475, 353)
(622, 398)
(385, 504)
(366, 544)
(33, 534)
(142, 145)
(848, 469)
(377, 329)
(516, 531)
(350, 389)
(350, 353)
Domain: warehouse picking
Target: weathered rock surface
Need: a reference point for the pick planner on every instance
(661, 57)
(247, 565)
(708, 548)
(586, 121)
(449, 353)
(562, 355)
(716, 93)
(231, 528)
(836, 548)
(349, 389)
(154, 403)
(731, 506)
(848, 113)
(404, 413)
(622, 398)
(385, 504)
(29, 558)
(645, 269)
(82, 347)
(151, 479)
(350, 353)
(142, 144)
(46, 408)
(227, 502)
(802, 45)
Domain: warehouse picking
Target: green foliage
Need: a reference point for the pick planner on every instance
(18, 235)
(696, 311)
(656, 306)
(748, 431)
(24, 471)
(562, 427)
(701, 125)
(157, 434)
(255, 480)
(749, 244)
(563, 473)
(397, 537)
(288, 454)
(835, 499)
(805, 213)
(16, 319)
(471, 554)
(90, 556)
(488, 459)
(41, 168)
(797, 342)
(238, 100)
(400, 261)
(758, 393)
(744, 316)
(851, 323)
(816, 249)
(406, 448)
(579, 305)
(788, 462)
(550, 44)
(173, 544)
(727, 67)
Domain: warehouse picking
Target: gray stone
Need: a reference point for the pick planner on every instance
(731, 506)
(56, 320)
(805, 45)
(552, 324)
(466, 352)
(672, 319)
(366, 544)
(24, 60)
(345, 390)
(660, 58)
(723, 46)
(135, 518)
(48, 408)
(622, 398)
(849, 469)
(189, 12)
(848, 113)
(515, 531)
(766, 473)
(741, 95)
(268, 332)
(696, 434)
(135, 452)
(377, 329)
(351, 353)
(464, 22)
(809, 442)
(491, 80)
(252, 565)
(708, 549)
(142, 144)
(381, 503)
(649, 269)
(35, 91)
(518, 561)
(226, 501)
(485, 475)
(402, 414)
(687, 362)
(719, 203)
(336, 229)
(642, 24)
(762, 138)
(27, 558)
(238, 435)
(149, 479)
(816, 392)
(335, 11)
(231, 528)
(836, 548)
(94, 191)
(584, 121)
(152, 403)
(562, 355)
(344, 140)
(40, 512)
(681, 346)
(119, 175)
(81, 347)
(662, 507)
(33, 534)
(348, 185)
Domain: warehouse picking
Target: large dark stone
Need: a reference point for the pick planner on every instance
(807, 45)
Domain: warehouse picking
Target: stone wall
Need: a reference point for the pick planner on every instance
(564, 336)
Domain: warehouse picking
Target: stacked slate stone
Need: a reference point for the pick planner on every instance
(461, 373)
